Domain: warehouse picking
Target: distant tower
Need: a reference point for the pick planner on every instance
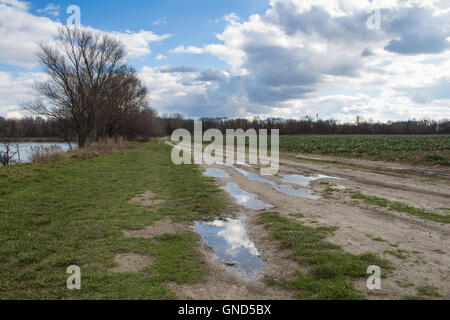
(317, 117)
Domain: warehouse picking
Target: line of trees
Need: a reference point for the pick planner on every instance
(310, 126)
(146, 123)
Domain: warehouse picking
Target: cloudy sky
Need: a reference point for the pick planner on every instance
(234, 58)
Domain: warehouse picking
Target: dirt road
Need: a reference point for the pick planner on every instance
(418, 248)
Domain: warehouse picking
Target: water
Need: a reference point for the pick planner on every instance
(255, 177)
(245, 198)
(303, 180)
(287, 190)
(216, 173)
(238, 163)
(232, 245)
(299, 193)
(25, 149)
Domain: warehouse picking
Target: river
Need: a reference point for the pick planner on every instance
(25, 149)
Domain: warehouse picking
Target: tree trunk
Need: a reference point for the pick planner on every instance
(81, 141)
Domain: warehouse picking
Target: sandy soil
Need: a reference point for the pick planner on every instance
(396, 167)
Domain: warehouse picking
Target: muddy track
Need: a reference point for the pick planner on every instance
(370, 178)
(362, 228)
(394, 168)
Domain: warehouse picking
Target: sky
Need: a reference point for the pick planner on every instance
(382, 60)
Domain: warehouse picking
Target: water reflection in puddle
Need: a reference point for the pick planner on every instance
(231, 243)
(255, 177)
(245, 198)
(303, 180)
(287, 190)
(238, 163)
(216, 173)
(300, 193)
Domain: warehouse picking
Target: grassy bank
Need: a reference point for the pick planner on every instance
(401, 207)
(71, 212)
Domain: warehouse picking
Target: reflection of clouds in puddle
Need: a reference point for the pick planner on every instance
(287, 190)
(216, 173)
(237, 163)
(231, 244)
(235, 234)
(300, 193)
(255, 177)
(245, 198)
(303, 180)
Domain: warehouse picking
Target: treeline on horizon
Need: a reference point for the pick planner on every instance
(147, 124)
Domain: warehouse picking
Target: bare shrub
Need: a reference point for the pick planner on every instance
(104, 146)
(43, 153)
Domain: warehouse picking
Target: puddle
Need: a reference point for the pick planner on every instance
(245, 198)
(255, 177)
(287, 190)
(238, 163)
(216, 173)
(300, 193)
(232, 245)
(303, 180)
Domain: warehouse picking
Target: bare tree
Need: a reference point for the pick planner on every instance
(90, 86)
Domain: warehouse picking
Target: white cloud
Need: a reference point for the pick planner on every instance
(50, 9)
(138, 43)
(22, 31)
(233, 57)
(15, 115)
(16, 91)
(161, 57)
(304, 57)
(159, 21)
(299, 58)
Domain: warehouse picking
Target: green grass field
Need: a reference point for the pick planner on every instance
(71, 212)
(418, 149)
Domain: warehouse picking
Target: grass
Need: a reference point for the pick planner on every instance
(429, 291)
(56, 214)
(330, 269)
(400, 207)
(424, 293)
(399, 253)
(418, 149)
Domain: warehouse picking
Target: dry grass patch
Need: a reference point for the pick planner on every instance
(158, 228)
(131, 262)
(146, 199)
